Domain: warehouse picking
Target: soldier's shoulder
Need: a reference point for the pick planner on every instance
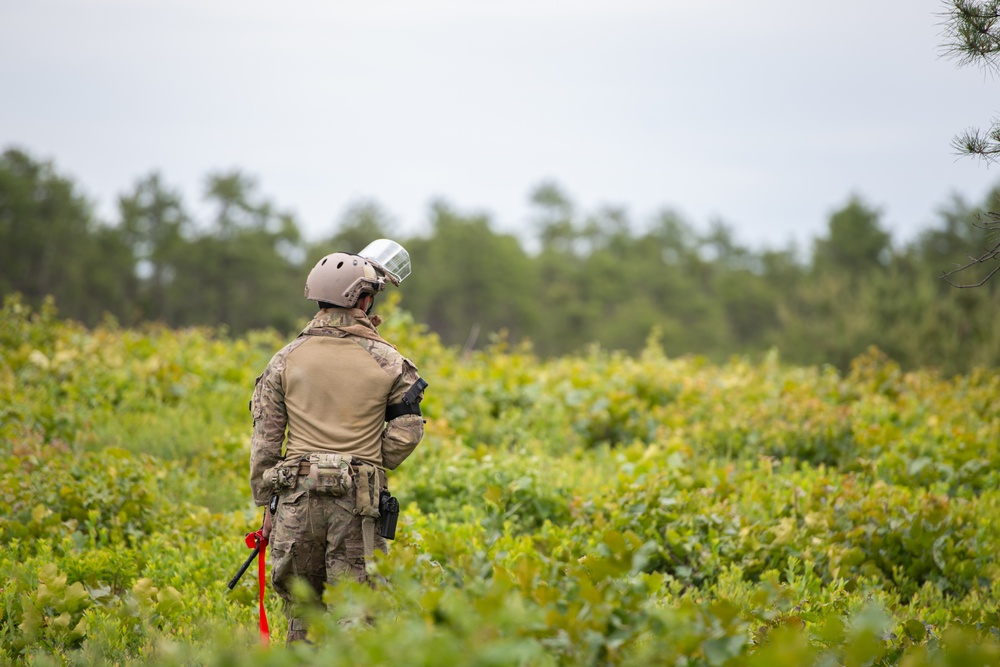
(280, 358)
(387, 356)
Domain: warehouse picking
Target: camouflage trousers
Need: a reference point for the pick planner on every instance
(316, 538)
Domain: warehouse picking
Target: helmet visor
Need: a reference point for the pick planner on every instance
(390, 257)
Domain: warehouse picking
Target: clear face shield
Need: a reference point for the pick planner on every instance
(389, 257)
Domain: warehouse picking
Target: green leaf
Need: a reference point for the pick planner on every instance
(168, 601)
(493, 495)
(915, 630)
(721, 649)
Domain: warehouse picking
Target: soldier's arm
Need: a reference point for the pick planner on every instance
(269, 420)
(404, 422)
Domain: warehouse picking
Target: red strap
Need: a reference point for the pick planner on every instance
(254, 540)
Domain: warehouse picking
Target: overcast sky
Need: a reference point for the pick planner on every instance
(767, 115)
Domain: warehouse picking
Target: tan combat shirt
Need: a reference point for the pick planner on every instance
(328, 391)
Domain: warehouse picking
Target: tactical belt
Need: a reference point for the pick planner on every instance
(369, 480)
(305, 465)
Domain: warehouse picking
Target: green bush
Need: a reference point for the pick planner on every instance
(593, 510)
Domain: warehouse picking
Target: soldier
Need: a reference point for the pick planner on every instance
(349, 404)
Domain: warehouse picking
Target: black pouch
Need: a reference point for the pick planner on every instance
(388, 514)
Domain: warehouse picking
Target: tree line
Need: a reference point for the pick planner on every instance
(588, 277)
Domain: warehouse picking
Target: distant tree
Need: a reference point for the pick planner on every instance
(245, 268)
(231, 195)
(42, 218)
(855, 241)
(824, 313)
(662, 282)
(362, 223)
(471, 280)
(748, 297)
(106, 260)
(51, 243)
(553, 218)
(156, 226)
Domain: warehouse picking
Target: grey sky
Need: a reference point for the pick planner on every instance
(766, 114)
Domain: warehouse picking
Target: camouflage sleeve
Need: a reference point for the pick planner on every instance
(269, 420)
(402, 434)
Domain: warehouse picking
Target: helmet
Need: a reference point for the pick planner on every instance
(341, 278)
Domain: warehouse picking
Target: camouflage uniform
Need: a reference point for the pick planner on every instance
(350, 405)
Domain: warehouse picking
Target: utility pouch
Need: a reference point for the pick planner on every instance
(329, 474)
(281, 477)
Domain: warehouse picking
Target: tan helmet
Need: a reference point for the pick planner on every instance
(341, 278)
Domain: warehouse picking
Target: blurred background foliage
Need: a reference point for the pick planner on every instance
(574, 278)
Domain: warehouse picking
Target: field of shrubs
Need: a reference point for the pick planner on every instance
(600, 509)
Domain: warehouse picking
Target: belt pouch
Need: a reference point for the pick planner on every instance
(280, 478)
(329, 474)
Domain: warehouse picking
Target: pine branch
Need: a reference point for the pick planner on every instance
(972, 32)
(992, 223)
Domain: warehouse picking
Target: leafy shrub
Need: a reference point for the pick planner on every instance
(599, 509)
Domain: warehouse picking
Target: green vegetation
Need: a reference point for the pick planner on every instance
(595, 509)
(589, 276)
